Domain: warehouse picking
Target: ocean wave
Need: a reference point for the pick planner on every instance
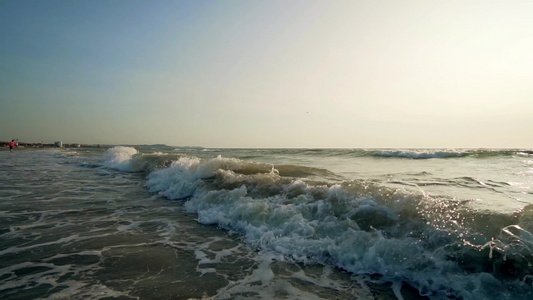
(185, 175)
(446, 153)
(420, 154)
(409, 153)
(368, 152)
(441, 248)
(129, 159)
(120, 158)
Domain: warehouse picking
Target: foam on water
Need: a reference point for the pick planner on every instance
(120, 158)
(421, 154)
(80, 225)
(367, 230)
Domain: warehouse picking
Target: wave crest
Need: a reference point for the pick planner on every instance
(417, 154)
(364, 228)
(120, 158)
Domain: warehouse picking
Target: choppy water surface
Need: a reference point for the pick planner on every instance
(158, 222)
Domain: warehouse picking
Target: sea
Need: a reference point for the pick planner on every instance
(165, 222)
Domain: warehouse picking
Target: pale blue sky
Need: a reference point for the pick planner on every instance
(268, 73)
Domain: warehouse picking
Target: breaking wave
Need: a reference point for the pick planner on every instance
(438, 246)
(451, 153)
(421, 154)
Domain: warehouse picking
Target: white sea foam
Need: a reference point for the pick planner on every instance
(16, 249)
(264, 283)
(420, 154)
(185, 175)
(120, 158)
(320, 225)
(102, 227)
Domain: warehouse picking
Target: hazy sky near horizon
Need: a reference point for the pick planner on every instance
(268, 73)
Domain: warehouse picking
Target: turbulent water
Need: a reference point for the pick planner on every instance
(159, 222)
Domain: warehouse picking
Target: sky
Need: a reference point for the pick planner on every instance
(268, 74)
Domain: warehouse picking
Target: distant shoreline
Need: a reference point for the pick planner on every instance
(20, 148)
(46, 146)
(56, 144)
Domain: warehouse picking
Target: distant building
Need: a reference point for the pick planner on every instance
(58, 144)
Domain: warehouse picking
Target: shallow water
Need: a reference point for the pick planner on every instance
(157, 222)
